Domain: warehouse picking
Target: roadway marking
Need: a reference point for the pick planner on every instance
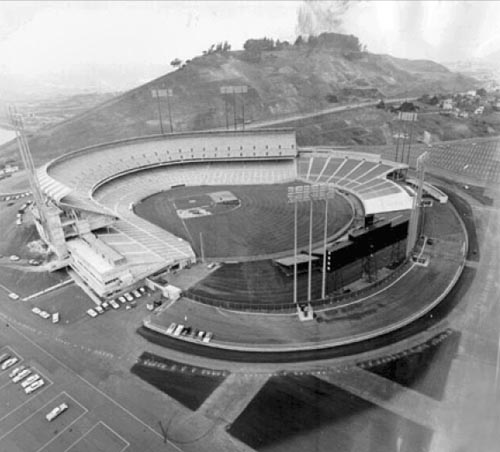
(30, 398)
(85, 411)
(133, 416)
(29, 417)
(127, 444)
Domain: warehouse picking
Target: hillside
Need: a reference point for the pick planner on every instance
(282, 81)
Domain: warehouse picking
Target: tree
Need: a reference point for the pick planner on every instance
(299, 41)
(481, 92)
(176, 62)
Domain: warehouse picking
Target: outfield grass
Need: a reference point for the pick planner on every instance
(262, 225)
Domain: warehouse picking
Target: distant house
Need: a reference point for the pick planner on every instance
(463, 114)
(447, 104)
(479, 110)
(471, 93)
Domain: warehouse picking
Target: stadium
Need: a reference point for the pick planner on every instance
(140, 211)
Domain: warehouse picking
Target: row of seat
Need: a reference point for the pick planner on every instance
(81, 171)
(366, 178)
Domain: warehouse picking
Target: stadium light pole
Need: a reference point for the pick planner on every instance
(230, 89)
(306, 193)
(295, 254)
(156, 93)
(330, 194)
(168, 94)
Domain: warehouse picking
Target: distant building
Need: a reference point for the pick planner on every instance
(479, 110)
(448, 104)
(471, 93)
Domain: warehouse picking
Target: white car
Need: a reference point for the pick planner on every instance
(171, 328)
(55, 317)
(59, 409)
(114, 304)
(14, 258)
(136, 294)
(14, 296)
(122, 299)
(30, 380)
(16, 370)
(99, 310)
(208, 337)
(9, 363)
(34, 386)
(128, 297)
(23, 374)
(91, 313)
(36, 310)
(44, 314)
(178, 330)
(142, 290)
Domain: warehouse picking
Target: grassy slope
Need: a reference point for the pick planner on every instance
(292, 80)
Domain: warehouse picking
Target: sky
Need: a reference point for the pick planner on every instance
(117, 45)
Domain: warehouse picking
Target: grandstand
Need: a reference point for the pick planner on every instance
(97, 187)
(363, 175)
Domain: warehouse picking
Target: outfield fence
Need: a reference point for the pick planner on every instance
(339, 300)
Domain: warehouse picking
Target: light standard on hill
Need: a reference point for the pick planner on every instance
(167, 93)
(230, 89)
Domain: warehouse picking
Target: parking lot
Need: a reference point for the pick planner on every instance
(23, 423)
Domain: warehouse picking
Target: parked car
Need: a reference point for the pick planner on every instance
(14, 296)
(178, 330)
(122, 299)
(16, 370)
(171, 328)
(55, 317)
(44, 314)
(128, 297)
(34, 386)
(114, 304)
(208, 337)
(91, 313)
(9, 362)
(31, 379)
(99, 310)
(14, 258)
(142, 290)
(4, 357)
(136, 294)
(23, 374)
(59, 409)
(36, 310)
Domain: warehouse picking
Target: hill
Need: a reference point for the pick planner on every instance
(282, 79)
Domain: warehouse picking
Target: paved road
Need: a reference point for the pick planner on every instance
(326, 111)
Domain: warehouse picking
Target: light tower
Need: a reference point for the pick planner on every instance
(417, 204)
(47, 217)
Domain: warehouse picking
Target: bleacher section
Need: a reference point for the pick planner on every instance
(114, 170)
(81, 171)
(364, 175)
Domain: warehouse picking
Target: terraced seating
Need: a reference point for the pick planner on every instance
(364, 175)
